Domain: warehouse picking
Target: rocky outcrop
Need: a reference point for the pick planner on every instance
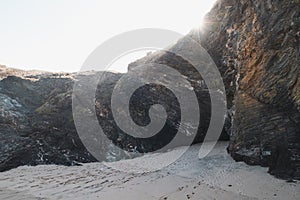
(256, 45)
(36, 121)
(37, 124)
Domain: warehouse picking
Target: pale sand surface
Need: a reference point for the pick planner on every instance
(215, 177)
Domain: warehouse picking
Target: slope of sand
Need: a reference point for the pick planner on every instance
(215, 177)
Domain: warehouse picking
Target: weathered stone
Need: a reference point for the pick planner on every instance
(256, 46)
(37, 125)
(256, 43)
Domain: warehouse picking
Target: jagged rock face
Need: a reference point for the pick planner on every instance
(186, 69)
(256, 43)
(36, 122)
(256, 46)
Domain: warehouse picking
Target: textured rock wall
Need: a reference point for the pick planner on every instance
(256, 45)
(37, 124)
(36, 120)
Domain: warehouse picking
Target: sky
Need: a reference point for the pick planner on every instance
(58, 35)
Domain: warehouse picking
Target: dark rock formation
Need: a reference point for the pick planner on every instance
(256, 46)
(185, 68)
(36, 121)
(37, 126)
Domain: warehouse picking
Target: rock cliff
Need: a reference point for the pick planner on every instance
(36, 120)
(256, 47)
(37, 125)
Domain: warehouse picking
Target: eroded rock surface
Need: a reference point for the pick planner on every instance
(256, 44)
(37, 124)
(256, 47)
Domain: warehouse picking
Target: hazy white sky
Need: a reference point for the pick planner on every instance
(58, 35)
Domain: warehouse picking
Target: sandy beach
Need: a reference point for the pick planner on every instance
(216, 176)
